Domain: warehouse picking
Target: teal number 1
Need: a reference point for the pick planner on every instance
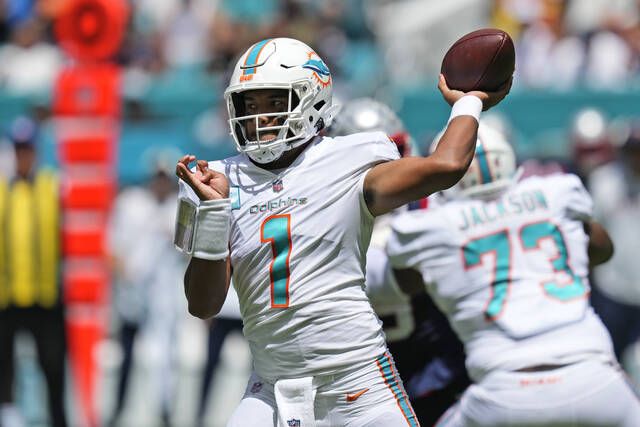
(276, 230)
(530, 237)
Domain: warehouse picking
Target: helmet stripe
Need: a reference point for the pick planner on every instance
(252, 57)
(485, 170)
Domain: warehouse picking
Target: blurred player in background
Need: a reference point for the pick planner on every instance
(591, 145)
(228, 320)
(146, 269)
(616, 194)
(507, 262)
(30, 259)
(291, 219)
(428, 355)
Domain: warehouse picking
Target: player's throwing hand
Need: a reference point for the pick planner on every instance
(489, 99)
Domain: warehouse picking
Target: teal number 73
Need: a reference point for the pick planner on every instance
(276, 230)
(530, 238)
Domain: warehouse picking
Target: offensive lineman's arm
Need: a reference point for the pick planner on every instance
(206, 281)
(600, 245)
(392, 184)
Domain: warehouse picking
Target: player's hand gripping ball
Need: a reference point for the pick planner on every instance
(482, 60)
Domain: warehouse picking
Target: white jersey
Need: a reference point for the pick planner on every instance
(511, 274)
(389, 302)
(298, 242)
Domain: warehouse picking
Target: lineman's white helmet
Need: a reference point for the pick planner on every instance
(280, 63)
(367, 115)
(492, 169)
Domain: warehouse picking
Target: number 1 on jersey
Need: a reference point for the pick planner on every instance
(276, 230)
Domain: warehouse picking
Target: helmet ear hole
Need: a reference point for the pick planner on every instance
(240, 134)
(238, 103)
(295, 100)
(319, 105)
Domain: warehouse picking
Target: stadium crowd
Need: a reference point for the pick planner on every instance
(563, 46)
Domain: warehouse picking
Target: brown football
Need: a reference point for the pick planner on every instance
(481, 60)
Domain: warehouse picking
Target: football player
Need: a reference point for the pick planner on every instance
(290, 218)
(427, 353)
(507, 261)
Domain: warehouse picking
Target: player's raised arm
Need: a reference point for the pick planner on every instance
(203, 231)
(393, 184)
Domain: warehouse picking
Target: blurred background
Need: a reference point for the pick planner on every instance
(109, 94)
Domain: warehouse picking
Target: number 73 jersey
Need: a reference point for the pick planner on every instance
(510, 273)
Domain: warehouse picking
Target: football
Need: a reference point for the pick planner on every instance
(481, 60)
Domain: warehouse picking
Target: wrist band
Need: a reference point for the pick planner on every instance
(468, 105)
(203, 231)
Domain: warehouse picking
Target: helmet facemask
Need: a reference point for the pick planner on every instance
(293, 128)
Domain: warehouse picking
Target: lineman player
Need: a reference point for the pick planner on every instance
(507, 262)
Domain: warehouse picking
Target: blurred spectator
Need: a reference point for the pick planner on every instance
(30, 261)
(564, 44)
(547, 55)
(28, 50)
(591, 16)
(185, 36)
(616, 194)
(7, 161)
(227, 321)
(590, 143)
(147, 271)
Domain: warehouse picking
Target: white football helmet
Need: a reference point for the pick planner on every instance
(368, 115)
(280, 63)
(492, 169)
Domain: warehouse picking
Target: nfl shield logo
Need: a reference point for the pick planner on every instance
(277, 185)
(293, 422)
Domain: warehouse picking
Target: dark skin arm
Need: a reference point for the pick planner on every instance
(600, 245)
(409, 281)
(206, 282)
(392, 184)
(206, 301)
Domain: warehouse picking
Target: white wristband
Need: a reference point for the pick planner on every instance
(468, 105)
(203, 231)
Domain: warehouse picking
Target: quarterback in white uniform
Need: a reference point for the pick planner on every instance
(290, 218)
(507, 262)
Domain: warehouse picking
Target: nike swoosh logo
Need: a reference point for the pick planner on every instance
(353, 397)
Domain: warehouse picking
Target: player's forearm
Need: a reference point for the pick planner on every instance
(205, 285)
(393, 184)
(600, 245)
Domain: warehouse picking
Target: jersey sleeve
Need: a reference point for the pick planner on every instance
(420, 241)
(376, 272)
(571, 197)
(360, 152)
